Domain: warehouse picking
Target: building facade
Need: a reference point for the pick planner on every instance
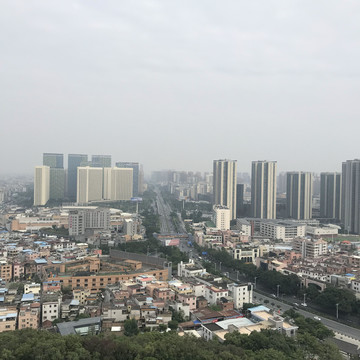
(53, 160)
(118, 183)
(82, 220)
(263, 189)
(350, 207)
(221, 217)
(101, 161)
(89, 184)
(330, 195)
(74, 161)
(224, 184)
(41, 185)
(311, 248)
(299, 195)
(136, 175)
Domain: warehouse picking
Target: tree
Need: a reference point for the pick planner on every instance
(131, 327)
(162, 327)
(173, 324)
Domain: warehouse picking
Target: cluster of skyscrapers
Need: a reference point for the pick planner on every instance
(85, 181)
(339, 192)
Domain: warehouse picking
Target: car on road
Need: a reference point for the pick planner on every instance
(317, 318)
(273, 295)
(296, 304)
(304, 304)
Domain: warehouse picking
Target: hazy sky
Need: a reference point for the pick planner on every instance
(176, 84)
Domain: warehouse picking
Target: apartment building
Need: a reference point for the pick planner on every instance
(241, 293)
(8, 319)
(29, 316)
(311, 248)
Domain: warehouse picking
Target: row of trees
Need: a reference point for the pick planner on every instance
(267, 344)
(289, 284)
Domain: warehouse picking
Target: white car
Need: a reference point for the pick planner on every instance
(303, 304)
(317, 318)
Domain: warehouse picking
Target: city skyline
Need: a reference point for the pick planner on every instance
(80, 74)
(246, 169)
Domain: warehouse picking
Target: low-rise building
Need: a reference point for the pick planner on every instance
(8, 319)
(189, 269)
(50, 307)
(29, 316)
(32, 288)
(311, 248)
(241, 294)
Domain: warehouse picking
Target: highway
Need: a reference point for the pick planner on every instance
(165, 210)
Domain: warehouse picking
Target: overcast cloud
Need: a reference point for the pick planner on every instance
(176, 84)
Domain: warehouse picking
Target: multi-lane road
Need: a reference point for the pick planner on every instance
(167, 226)
(164, 211)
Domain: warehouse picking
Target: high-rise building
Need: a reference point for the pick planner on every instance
(350, 209)
(41, 185)
(118, 183)
(222, 217)
(239, 199)
(299, 195)
(53, 160)
(224, 180)
(57, 175)
(101, 161)
(57, 184)
(263, 189)
(281, 183)
(89, 184)
(136, 173)
(74, 161)
(330, 195)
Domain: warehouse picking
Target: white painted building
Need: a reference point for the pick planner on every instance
(241, 293)
(41, 185)
(32, 288)
(243, 226)
(92, 218)
(221, 217)
(89, 184)
(282, 230)
(246, 254)
(189, 269)
(118, 183)
(213, 294)
(310, 247)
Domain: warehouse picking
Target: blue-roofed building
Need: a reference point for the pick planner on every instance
(41, 261)
(28, 297)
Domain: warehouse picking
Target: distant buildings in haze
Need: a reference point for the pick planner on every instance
(85, 181)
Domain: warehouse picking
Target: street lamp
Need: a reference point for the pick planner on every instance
(337, 311)
(277, 293)
(220, 266)
(304, 300)
(255, 282)
(237, 275)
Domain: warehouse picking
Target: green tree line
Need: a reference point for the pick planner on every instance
(267, 344)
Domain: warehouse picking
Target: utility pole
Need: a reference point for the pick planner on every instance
(255, 283)
(277, 293)
(337, 311)
(304, 299)
(237, 275)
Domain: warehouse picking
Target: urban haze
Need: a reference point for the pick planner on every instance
(178, 84)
